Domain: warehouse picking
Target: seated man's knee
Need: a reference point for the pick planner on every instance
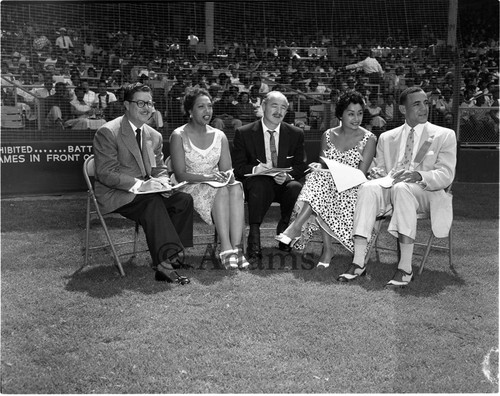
(185, 198)
(294, 187)
(258, 184)
(401, 190)
(369, 189)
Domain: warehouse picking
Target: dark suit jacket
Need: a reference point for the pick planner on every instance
(248, 146)
(119, 164)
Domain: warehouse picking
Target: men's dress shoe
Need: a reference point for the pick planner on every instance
(401, 278)
(254, 252)
(284, 248)
(354, 271)
(166, 273)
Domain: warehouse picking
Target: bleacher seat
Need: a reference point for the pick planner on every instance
(12, 117)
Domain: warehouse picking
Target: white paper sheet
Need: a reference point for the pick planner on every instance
(344, 176)
(270, 172)
(163, 190)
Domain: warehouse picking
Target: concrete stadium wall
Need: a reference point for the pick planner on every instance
(55, 167)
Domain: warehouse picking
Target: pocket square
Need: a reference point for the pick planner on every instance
(290, 156)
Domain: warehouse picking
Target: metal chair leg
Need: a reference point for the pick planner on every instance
(87, 232)
(115, 254)
(373, 242)
(450, 250)
(426, 254)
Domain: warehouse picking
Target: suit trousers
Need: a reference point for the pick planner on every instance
(167, 222)
(262, 191)
(406, 199)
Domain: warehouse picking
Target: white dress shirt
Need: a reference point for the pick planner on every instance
(267, 140)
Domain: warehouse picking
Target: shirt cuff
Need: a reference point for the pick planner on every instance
(136, 186)
(422, 182)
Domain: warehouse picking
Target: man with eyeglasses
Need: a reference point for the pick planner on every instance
(131, 180)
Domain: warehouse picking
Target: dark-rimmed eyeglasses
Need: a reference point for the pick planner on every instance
(141, 103)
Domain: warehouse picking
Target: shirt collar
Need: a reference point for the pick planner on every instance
(419, 128)
(134, 128)
(265, 128)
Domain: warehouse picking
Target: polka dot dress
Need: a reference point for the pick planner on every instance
(333, 211)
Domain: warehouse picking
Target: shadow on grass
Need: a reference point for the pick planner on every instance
(102, 280)
(430, 283)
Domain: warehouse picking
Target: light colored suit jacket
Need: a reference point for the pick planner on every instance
(119, 163)
(435, 160)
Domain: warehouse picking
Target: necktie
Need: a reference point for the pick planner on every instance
(272, 146)
(408, 150)
(138, 137)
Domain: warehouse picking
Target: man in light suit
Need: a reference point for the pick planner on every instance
(256, 150)
(418, 186)
(129, 161)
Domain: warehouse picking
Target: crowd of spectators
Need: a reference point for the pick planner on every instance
(57, 63)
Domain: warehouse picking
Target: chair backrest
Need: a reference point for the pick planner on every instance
(89, 172)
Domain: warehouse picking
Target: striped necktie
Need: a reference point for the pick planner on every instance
(272, 146)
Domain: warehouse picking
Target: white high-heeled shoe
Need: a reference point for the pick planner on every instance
(286, 240)
(229, 259)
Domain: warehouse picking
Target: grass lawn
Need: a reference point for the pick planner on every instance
(267, 330)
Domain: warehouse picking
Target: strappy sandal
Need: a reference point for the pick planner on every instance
(229, 259)
(242, 261)
(166, 273)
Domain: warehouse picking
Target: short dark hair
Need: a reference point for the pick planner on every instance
(60, 84)
(79, 88)
(346, 99)
(190, 97)
(408, 91)
(131, 89)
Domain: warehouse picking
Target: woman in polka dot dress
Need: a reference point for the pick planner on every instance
(319, 203)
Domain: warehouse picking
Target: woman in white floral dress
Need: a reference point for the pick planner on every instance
(319, 203)
(200, 156)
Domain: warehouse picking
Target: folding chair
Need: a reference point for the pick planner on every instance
(428, 245)
(89, 174)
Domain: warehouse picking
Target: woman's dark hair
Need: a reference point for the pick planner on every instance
(190, 97)
(131, 89)
(346, 99)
